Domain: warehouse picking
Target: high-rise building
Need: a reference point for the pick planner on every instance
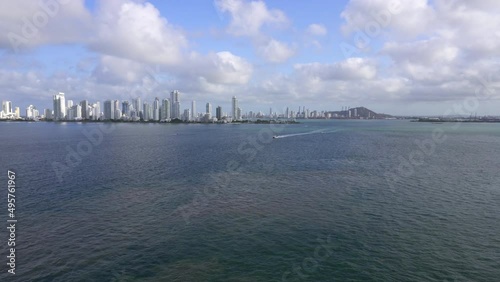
(126, 108)
(218, 113)
(138, 106)
(96, 111)
(109, 110)
(75, 112)
(193, 110)
(187, 115)
(59, 106)
(7, 107)
(17, 112)
(30, 112)
(175, 111)
(208, 111)
(147, 111)
(156, 109)
(234, 110)
(165, 109)
(238, 113)
(85, 109)
(48, 114)
(117, 112)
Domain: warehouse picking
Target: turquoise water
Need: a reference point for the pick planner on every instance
(159, 202)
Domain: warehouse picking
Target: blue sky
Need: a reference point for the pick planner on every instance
(403, 57)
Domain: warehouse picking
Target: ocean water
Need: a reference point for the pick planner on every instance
(325, 201)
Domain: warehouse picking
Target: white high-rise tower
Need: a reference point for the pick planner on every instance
(175, 104)
(59, 106)
(234, 112)
(193, 110)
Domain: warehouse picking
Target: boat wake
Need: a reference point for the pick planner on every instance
(305, 133)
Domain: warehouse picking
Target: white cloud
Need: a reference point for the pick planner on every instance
(350, 69)
(275, 51)
(317, 30)
(27, 24)
(138, 31)
(405, 18)
(217, 68)
(247, 18)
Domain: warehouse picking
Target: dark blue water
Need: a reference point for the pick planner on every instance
(159, 202)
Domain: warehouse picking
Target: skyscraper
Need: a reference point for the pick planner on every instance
(7, 107)
(31, 112)
(147, 111)
(209, 110)
(48, 114)
(118, 112)
(234, 110)
(156, 109)
(126, 108)
(165, 109)
(109, 110)
(138, 106)
(218, 113)
(186, 115)
(85, 109)
(96, 111)
(59, 106)
(175, 104)
(193, 110)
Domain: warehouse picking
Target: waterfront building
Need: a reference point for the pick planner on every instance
(147, 112)
(109, 110)
(175, 110)
(234, 109)
(156, 109)
(59, 104)
(208, 111)
(85, 109)
(218, 113)
(7, 107)
(187, 115)
(165, 110)
(126, 108)
(193, 110)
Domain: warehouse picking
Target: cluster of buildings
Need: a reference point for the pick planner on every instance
(14, 113)
(165, 110)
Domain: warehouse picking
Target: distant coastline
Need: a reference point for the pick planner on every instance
(470, 120)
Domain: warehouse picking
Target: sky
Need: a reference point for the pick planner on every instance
(401, 57)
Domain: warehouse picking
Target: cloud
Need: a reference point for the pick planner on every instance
(406, 19)
(217, 68)
(27, 24)
(317, 30)
(114, 70)
(247, 18)
(350, 69)
(137, 31)
(275, 51)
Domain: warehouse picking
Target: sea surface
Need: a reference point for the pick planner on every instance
(324, 201)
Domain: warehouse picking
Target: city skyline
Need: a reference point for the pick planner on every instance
(165, 111)
(400, 57)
